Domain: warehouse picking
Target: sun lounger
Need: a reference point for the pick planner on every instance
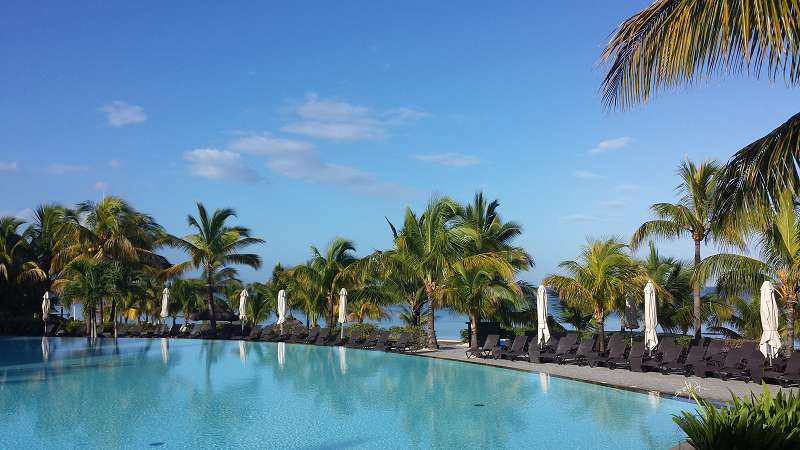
(616, 349)
(695, 355)
(585, 350)
(787, 374)
(715, 352)
(751, 369)
(517, 349)
(565, 346)
(187, 330)
(632, 362)
(268, 334)
(485, 350)
(357, 339)
(322, 338)
(733, 360)
(122, 330)
(671, 354)
(402, 344)
(380, 341)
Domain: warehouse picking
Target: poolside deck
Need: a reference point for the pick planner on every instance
(666, 385)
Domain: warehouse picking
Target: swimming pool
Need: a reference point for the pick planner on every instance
(159, 393)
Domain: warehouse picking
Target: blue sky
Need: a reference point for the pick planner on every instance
(317, 119)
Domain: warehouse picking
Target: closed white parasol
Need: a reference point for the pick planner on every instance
(650, 316)
(543, 333)
(165, 303)
(770, 339)
(243, 305)
(342, 309)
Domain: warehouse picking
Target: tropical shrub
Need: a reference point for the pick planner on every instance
(763, 422)
(364, 328)
(417, 332)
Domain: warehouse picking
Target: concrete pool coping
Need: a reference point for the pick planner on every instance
(667, 386)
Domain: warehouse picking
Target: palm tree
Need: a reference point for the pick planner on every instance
(186, 295)
(598, 279)
(429, 245)
(479, 292)
(261, 303)
(88, 281)
(692, 216)
(677, 42)
(777, 233)
(673, 283)
(214, 246)
(330, 270)
(737, 318)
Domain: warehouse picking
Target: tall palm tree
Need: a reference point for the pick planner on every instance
(678, 42)
(430, 244)
(213, 246)
(331, 270)
(693, 215)
(597, 280)
(777, 233)
(261, 303)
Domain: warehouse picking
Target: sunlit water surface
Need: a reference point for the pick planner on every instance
(158, 393)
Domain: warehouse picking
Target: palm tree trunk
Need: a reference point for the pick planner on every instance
(114, 316)
(432, 342)
(331, 312)
(473, 327)
(697, 304)
(210, 286)
(599, 319)
(791, 302)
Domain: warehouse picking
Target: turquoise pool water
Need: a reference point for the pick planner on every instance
(171, 394)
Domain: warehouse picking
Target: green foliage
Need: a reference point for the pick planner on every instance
(763, 422)
(418, 333)
(365, 328)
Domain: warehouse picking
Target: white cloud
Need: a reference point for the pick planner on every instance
(120, 113)
(586, 175)
(611, 144)
(9, 166)
(339, 120)
(26, 214)
(265, 144)
(101, 186)
(219, 165)
(60, 169)
(612, 204)
(454, 159)
(580, 218)
(115, 164)
(299, 160)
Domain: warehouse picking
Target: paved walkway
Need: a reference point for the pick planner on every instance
(666, 385)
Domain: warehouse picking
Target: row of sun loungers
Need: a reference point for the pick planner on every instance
(378, 340)
(745, 362)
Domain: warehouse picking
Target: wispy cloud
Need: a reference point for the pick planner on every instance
(266, 144)
(9, 166)
(120, 113)
(115, 164)
(332, 119)
(26, 214)
(219, 165)
(101, 186)
(60, 169)
(611, 144)
(454, 159)
(586, 175)
(299, 160)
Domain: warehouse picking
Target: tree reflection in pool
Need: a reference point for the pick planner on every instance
(134, 393)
